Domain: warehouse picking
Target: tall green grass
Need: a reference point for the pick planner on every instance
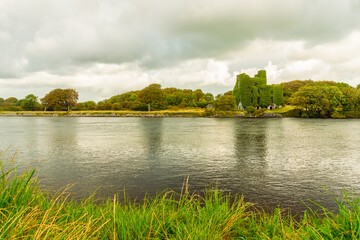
(26, 212)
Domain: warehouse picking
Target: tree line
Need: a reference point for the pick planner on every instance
(311, 99)
(322, 99)
(153, 97)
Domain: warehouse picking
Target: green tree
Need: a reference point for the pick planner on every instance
(199, 94)
(336, 98)
(89, 105)
(225, 103)
(209, 97)
(133, 97)
(152, 94)
(30, 103)
(313, 99)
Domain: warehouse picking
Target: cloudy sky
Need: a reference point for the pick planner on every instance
(106, 47)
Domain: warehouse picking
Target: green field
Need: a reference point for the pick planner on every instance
(26, 212)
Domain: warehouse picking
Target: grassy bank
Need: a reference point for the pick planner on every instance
(28, 213)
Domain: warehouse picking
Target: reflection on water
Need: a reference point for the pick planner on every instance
(270, 161)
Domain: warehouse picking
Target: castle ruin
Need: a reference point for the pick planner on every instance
(254, 91)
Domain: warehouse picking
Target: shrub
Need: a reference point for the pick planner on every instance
(250, 109)
(259, 112)
(337, 115)
(208, 113)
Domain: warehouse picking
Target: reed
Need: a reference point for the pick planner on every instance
(26, 212)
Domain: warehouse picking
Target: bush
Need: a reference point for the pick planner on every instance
(250, 109)
(140, 107)
(352, 114)
(337, 115)
(208, 113)
(259, 112)
(294, 113)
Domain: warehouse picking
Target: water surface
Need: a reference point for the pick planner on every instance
(270, 161)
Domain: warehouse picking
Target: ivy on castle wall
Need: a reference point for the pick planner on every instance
(261, 74)
(236, 91)
(246, 90)
(255, 96)
(255, 92)
(265, 96)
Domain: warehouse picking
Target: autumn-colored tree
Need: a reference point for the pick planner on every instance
(151, 94)
(11, 101)
(60, 99)
(72, 96)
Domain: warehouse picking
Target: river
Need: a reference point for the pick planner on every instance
(270, 161)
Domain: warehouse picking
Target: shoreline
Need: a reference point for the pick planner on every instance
(154, 114)
(188, 113)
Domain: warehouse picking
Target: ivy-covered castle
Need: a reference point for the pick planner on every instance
(255, 92)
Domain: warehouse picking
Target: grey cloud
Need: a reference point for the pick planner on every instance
(66, 38)
(51, 35)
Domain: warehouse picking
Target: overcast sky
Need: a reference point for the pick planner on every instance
(107, 47)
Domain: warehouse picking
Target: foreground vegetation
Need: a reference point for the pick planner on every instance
(28, 213)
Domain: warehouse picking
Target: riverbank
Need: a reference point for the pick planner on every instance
(27, 212)
(153, 114)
